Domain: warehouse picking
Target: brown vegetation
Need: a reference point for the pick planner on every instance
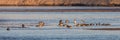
(59, 3)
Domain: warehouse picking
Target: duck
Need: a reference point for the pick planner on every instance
(8, 29)
(68, 26)
(75, 22)
(60, 23)
(105, 24)
(23, 26)
(41, 24)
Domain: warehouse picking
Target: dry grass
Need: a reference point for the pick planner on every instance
(57, 2)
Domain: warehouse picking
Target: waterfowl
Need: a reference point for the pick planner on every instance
(60, 23)
(23, 26)
(8, 29)
(68, 26)
(67, 21)
(41, 24)
(105, 24)
(75, 22)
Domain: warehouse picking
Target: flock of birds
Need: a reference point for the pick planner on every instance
(66, 24)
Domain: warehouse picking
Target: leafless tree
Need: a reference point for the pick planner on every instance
(40, 2)
(22, 2)
(37, 2)
(63, 2)
(69, 2)
(54, 2)
(43, 2)
(108, 2)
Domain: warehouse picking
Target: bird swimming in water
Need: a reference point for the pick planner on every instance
(8, 29)
(40, 24)
(67, 21)
(69, 26)
(60, 23)
(23, 26)
(75, 22)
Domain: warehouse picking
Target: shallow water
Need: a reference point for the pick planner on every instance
(59, 34)
(52, 18)
(52, 32)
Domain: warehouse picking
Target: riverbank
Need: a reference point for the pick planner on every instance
(59, 3)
